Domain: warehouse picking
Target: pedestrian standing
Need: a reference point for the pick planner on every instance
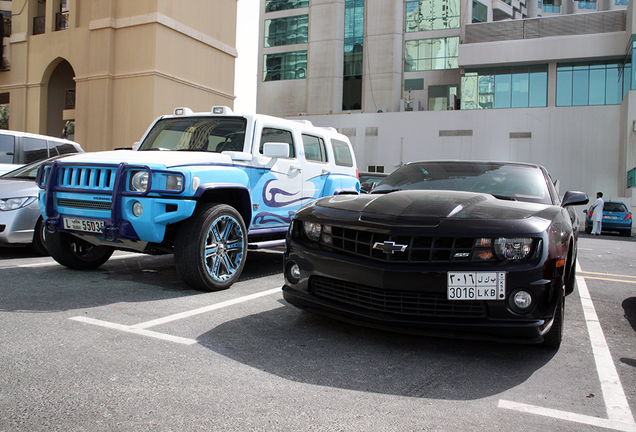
(597, 214)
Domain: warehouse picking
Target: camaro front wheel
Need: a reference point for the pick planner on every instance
(553, 338)
(75, 253)
(211, 248)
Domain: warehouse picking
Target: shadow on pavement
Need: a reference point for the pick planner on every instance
(316, 350)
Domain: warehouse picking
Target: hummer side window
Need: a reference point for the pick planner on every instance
(279, 136)
(314, 148)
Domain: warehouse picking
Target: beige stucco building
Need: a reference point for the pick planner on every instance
(112, 66)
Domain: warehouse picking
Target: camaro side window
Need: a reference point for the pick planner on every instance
(278, 136)
(314, 148)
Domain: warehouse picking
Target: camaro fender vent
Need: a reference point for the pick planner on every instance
(85, 205)
(407, 249)
(410, 303)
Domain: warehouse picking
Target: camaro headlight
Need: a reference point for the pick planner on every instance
(174, 182)
(7, 204)
(312, 230)
(139, 181)
(513, 248)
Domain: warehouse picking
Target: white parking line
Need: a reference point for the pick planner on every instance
(129, 329)
(140, 329)
(619, 413)
(205, 309)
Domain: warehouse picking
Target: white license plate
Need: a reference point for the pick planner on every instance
(611, 217)
(476, 285)
(86, 225)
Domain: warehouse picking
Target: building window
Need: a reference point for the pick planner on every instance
(285, 66)
(480, 12)
(353, 43)
(590, 84)
(278, 5)
(442, 98)
(621, 2)
(552, 6)
(587, 4)
(524, 87)
(425, 15)
(431, 54)
(286, 31)
(375, 168)
(631, 178)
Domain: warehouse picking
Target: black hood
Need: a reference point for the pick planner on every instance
(431, 207)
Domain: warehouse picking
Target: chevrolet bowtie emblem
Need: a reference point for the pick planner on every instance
(389, 247)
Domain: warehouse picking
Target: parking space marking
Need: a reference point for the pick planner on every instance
(606, 278)
(129, 329)
(619, 413)
(140, 328)
(205, 309)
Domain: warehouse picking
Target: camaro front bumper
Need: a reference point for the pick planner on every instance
(413, 299)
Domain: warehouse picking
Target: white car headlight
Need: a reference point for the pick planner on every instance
(7, 204)
(513, 248)
(312, 230)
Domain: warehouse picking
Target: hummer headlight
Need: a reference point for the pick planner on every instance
(139, 181)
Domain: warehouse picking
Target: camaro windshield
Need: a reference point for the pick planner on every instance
(504, 181)
(207, 134)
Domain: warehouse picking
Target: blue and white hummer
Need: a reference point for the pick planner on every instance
(204, 186)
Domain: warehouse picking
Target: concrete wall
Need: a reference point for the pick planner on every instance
(580, 146)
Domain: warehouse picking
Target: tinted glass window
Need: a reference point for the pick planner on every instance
(314, 148)
(504, 181)
(60, 149)
(614, 207)
(207, 134)
(342, 153)
(34, 149)
(277, 136)
(7, 148)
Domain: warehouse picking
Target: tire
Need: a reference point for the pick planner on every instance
(570, 278)
(552, 339)
(210, 248)
(39, 239)
(75, 253)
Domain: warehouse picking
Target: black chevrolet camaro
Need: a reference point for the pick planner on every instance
(456, 248)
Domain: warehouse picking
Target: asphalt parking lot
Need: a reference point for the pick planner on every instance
(130, 347)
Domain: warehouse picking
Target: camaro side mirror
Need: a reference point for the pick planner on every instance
(367, 187)
(574, 198)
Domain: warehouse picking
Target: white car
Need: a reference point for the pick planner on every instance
(20, 218)
(20, 148)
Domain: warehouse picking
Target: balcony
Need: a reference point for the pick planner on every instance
(534, 28)
(61, 21)
(39, 25)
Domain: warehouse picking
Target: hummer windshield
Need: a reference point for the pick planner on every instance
(206, 134)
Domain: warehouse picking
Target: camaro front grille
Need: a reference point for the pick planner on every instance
(85, 205)
(398, 302)
(417, 249)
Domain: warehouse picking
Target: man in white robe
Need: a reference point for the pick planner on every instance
(597, 215)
